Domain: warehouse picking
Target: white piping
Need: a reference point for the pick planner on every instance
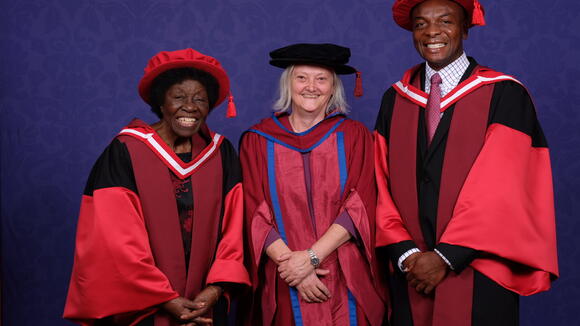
(459, 93)
(474, 83)
(411, 94)
(167, 156)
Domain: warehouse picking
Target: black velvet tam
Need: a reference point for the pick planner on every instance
(328, 55)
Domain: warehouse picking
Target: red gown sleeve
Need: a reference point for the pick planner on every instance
(506, 210)
(360, 195)
(259, 217)
(114, 272)
(228, 265)
(360, 189)
(389, 224)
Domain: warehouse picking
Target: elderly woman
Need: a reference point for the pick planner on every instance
(160, 229)
(310, 199)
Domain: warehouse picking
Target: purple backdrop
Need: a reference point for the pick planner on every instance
(69, 73)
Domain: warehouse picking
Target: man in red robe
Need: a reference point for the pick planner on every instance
(465, 211)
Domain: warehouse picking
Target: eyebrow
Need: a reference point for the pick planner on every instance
(440, 16)
(313, 74)
(446, 14)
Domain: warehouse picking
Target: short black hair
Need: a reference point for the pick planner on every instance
(168, 78)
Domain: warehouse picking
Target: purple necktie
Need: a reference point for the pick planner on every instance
(433, 113)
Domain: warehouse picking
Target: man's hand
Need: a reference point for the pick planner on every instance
(410, 261)
(425, 271)
(312, 289)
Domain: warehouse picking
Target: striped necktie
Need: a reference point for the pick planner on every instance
(433, 112)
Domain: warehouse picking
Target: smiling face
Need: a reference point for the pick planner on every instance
(311, 88)
(438, 31)
(185, 108)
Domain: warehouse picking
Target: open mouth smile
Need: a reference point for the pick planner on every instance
(186, 121)
(435, 45)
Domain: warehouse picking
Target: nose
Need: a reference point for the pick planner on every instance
(432, 30)
(189, 106)
(310, 85)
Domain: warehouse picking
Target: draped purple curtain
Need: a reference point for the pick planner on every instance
(68, 82)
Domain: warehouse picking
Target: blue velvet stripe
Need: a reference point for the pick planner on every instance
(341, 160)
(277, 141)
(274, 191)
(295, 306)
(343, 176)
(278, 216)
(352, 309)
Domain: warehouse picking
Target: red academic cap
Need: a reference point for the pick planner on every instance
(166, 60)
(402, 12)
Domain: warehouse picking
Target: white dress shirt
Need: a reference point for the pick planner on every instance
(450, 75)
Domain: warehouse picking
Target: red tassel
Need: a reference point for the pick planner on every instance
(358, 89)
(477, 16)
(231, 112)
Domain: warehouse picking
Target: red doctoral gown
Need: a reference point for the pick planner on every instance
(338, 154)
(481, 194)
(129, 255)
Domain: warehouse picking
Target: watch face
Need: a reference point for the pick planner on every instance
(315, 261)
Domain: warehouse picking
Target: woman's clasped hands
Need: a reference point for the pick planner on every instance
(192, 313)
(296, 270)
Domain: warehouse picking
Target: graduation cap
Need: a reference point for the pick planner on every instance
(166, 60)
(402, 12)
(331, 56)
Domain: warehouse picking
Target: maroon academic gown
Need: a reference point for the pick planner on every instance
(129, 255)
(480, 193)
(339, 158)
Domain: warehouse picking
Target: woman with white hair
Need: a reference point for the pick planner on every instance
(310, 199)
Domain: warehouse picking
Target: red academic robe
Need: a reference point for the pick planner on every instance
(129, 255)
(339, 153)
(481, 193)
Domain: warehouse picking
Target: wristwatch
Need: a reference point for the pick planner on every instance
(313, 258)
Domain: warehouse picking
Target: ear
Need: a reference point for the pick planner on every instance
(465, 25)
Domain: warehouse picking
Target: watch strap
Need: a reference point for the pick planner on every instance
(314, 260)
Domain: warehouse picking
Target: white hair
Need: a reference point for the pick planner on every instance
(336, 103)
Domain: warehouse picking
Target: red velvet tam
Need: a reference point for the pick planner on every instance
(402, 12)
(166, 60)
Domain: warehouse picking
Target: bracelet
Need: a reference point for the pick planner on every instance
(444, 258)
(405, 256)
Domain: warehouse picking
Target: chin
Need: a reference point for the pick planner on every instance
(311, 109)
(185, 133)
